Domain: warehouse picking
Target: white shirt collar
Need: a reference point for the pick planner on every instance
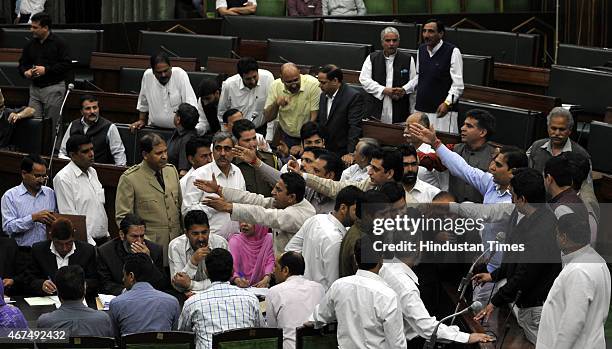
(435, 49)
(419, 186)
(77, 170)
(403, 267)
(369, 275)
(70, 253)
(217, 171)
(242, 86)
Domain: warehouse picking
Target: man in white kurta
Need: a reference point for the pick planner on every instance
(367, 312)
(157, 102)
(78, 190)
(577, 305)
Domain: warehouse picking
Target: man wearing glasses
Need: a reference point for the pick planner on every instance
(294, 99)
(26, 210)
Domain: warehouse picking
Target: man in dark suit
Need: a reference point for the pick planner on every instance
(49, 256)
(341, 109)
(112, 255)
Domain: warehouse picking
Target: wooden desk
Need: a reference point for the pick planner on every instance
(116, 107)
(394, 134)
(106, 67)
(521, 78)
(10, 54)
(228, 66)
(15, 96)
(515, 338)
(508, 98)
(10, 176)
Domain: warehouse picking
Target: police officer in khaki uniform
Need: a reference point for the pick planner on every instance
(151, 191)
(244, 131)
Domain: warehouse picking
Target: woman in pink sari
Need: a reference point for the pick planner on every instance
(253, 255)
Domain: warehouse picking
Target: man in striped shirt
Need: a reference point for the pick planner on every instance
(220, 307)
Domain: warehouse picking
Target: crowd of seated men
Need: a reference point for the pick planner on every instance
(217, 210)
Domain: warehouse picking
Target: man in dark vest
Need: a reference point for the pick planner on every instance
(439, 77)
(384, 75)
(108, 147)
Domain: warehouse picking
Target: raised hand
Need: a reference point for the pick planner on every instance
(246, 154)
(293, 166)
(207, 186)
(423, 133)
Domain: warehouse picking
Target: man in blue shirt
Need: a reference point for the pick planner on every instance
(494, 185)
(142, 308)
(26, 210)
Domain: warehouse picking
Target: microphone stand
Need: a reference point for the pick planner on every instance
(431, 342)
(465, 281)
(506, 326)
(57, 129)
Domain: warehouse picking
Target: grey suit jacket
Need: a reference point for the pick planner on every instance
(78, 320)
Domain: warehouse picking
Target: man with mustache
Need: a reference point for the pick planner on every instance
(417, 191)
(112, 256)
(162, 90)
(439, 77)
(226, 173)
(79, 191)
(188, 252)
(108, 146)
(384, 75)
(151, 190)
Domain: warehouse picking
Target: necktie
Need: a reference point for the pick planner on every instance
(160, 179)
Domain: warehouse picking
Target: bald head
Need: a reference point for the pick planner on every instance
(415, 118)
(290, 76)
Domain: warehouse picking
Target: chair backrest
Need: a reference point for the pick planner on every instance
(82, 342)
(271, 8)
(599, 140)
(187, 45)
(32, 136)
(249, 338)
(504, 47)
(129, 142)
(585, 57)
(514, 126)
(196, 77)
(82, 42)
(130, 79)
(379, 7)
(310, 338)
(159, 340)
(263, 28)
(164, 133)
(316, 53)
(9, 75)
(586, 87)
(368, 32)
(477, 70)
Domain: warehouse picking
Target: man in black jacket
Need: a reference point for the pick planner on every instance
(530, 270)
(341, 109)
(112, 255)
(49, 256)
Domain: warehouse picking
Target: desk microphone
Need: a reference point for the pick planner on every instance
(57, 128)
(506, 326)
(168, 51)
(284, 59)
(475, 307)
(500, 237)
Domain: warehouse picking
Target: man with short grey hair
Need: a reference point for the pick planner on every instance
(384, 76)
(560, 123)
(225, 173)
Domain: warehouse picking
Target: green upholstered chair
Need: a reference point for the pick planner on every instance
(445, 6)
(249, 338)
(480, 6)
(412, 6)
(159, 340)
(82, 342)
(379, 7)
(271, 8)
(323, 338)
